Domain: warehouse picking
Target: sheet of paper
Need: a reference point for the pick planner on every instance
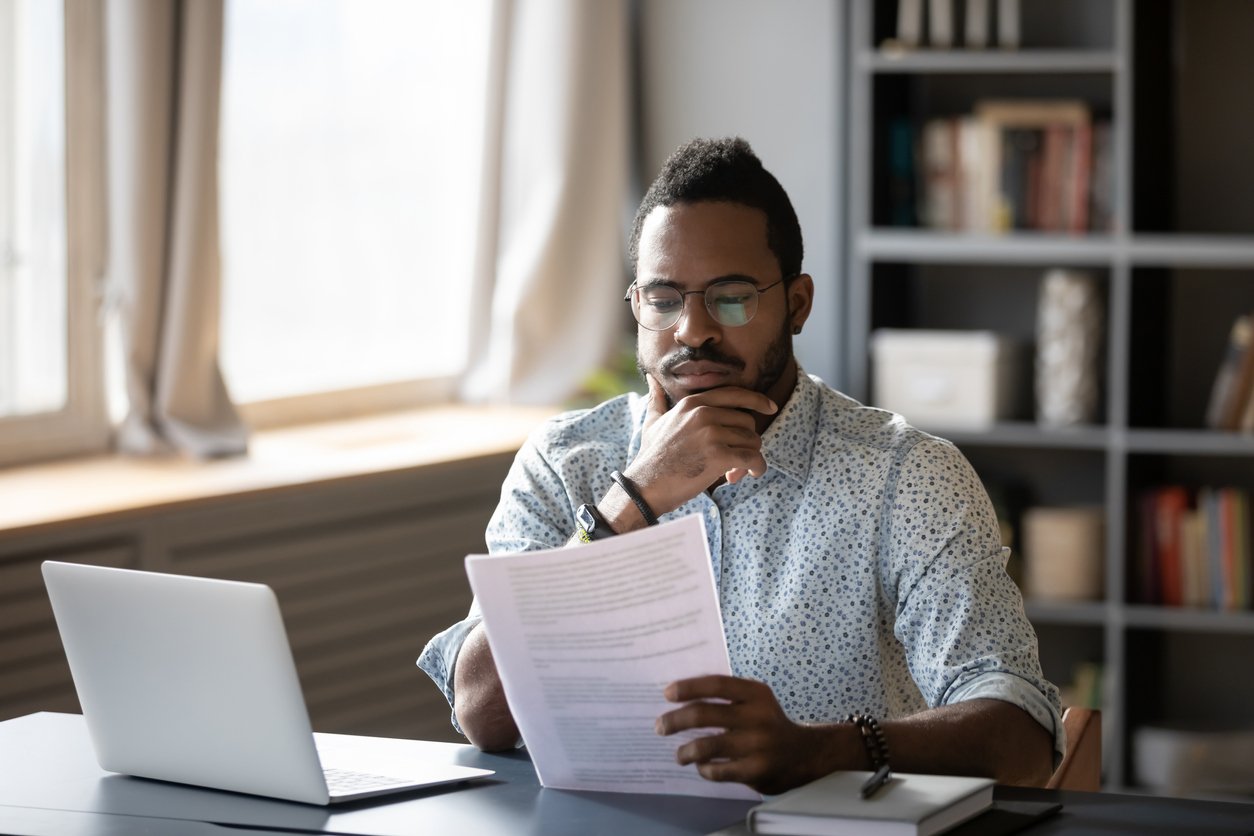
(585, 638)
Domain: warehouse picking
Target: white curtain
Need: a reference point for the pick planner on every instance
(550, 266)
(163, 70)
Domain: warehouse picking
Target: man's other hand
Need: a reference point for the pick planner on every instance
(758, 744)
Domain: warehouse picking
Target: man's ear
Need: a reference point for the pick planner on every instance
(800, 300)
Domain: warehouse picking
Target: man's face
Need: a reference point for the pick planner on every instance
(690, 246)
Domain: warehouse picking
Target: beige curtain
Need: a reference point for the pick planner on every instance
(163, 70)
(550, 268)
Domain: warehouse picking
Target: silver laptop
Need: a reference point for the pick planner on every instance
(192, 680)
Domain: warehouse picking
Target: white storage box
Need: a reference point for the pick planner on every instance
(945, 378)
(1182, 761)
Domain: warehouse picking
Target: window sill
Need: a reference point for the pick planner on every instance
(100, 488)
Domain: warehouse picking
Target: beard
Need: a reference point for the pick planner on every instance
(771, 368)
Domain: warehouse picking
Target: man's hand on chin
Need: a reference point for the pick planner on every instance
(753, 741)
(700, 440)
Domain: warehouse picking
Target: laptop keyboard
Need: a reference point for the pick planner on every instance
(347, 782)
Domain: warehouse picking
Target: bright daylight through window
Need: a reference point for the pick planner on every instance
(33, 372)
(352, 136)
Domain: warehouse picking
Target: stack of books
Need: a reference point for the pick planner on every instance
(1040, 165)
(1194, 548)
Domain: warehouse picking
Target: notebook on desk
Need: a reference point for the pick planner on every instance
(191, 680)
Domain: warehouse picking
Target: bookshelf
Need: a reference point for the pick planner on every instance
(1175, 266)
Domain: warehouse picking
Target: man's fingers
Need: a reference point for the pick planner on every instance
(734, 397)
(658, 402)
(714, 686)
(696, 715)
(713, 747)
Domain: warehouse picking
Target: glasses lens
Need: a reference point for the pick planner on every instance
(732, 303)
(657, 307)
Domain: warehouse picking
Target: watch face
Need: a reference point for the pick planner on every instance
(585, 519)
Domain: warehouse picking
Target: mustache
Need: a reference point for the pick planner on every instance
(701, 353)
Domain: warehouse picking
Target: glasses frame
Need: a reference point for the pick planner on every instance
(684, 294)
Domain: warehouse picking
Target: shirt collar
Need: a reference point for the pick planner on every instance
(788, 443)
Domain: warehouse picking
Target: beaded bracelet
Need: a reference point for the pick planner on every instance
(872, 738)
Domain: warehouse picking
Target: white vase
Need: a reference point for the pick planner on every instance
(1070, 323)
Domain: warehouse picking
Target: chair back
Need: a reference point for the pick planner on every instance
(1081, 767)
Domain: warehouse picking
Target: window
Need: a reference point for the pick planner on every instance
(32, 209)
(350, 158)
(49, 377)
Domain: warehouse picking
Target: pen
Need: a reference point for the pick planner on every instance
(877, 780)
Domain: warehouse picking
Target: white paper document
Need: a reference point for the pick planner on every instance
(585, 638)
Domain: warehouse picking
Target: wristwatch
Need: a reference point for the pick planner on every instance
(592, 526)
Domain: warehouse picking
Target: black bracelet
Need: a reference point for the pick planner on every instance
(634, 496)
(872, 738)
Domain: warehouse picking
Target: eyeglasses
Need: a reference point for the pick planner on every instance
(732, 302)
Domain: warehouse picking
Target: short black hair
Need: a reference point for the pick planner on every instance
(724, 170)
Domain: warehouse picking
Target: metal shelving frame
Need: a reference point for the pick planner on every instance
(1117, 253)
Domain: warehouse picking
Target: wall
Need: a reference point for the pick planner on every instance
(366, 570)
(771, 73)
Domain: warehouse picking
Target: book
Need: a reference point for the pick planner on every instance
(1194, 565)
(1208, 501)
(909, 22)
(1235, 555)
(975, 26)
(1242, 549)
(1247, 415)
(901, 162)
(1228, 549)
(1234, 379)
(940, 23)
(1053, 152)
(1008, 24)
(1173, 503)
(1101, 190)
(908, 805)
(1034, 162)
(977, 178)
(1076, 213)
(940, 190)
(1147, 549)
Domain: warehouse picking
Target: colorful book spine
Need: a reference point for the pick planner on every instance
(1173, 501)
(1195, 549)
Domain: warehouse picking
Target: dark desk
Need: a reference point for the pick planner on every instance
(50, 784)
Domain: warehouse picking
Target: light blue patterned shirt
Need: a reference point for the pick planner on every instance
(862, 573)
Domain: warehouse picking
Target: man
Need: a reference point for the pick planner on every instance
(857, 559)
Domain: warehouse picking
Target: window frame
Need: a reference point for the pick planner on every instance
(338, 404)
(81, 425)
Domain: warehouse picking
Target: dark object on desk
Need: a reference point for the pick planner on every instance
(908, 805)
(1006, 817)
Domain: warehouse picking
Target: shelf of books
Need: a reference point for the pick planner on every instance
(1051, 263)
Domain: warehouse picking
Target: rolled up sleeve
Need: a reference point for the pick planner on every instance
(439, 658)
(959, 615)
